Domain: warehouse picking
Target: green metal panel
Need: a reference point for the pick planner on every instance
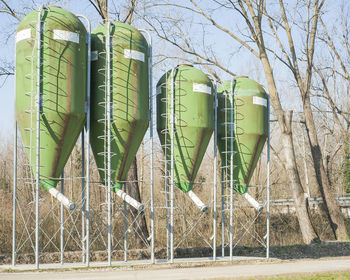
(129, 97)
(193, 107)
(250, 132)
(63, 86)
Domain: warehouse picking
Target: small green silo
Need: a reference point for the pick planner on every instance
(129, 90)
(63, 89)
(250, 124)
(193, 120)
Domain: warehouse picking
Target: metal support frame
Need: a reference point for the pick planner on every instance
(26, 216)
(38, 109)
(170, 192)
(228, 182)
(108, 153)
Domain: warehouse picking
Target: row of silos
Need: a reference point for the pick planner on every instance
(51, 79)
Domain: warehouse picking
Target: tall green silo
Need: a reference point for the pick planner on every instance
(129, 98)
(63, 74)
(250, 127)
(193, 122)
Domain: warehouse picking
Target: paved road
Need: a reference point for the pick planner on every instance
(225, 272)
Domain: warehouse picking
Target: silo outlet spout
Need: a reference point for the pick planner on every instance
(127, 198)
(197, 201)
(253, 202)
(49, 185)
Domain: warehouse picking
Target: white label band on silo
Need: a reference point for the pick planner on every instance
(201, 88)
(23, 34)
(259, 101)
(132, 54)
(66, 36)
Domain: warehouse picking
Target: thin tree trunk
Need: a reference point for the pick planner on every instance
(139, 225)
(334, 213)
(300, 199)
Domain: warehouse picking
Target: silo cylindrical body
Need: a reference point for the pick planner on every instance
(193, 120)
(129, 98)
(63, 88)
(250, 127)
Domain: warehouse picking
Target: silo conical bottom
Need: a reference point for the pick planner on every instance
(185, 187)
(116, 186)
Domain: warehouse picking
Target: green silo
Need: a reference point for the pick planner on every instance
(63, 89)
(193, 121)
(250, 124)
(129, 91)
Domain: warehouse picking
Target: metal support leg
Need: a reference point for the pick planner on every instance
(83, 214)
(38, 109)
(150, 118)
(109, 104)
(172, 165)
(268, 182)
(86, 203)
(167, 207)
(62, 222)
(215, 172)
(222, 216)
(125, 229)
(151, 144)
(14, 198)
(231, 125)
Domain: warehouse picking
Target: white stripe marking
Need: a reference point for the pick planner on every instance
(66, 36)
(132, 54)
(259, 101)
(201, 88)
(23, 35)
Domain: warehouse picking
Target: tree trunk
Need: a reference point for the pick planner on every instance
(300, 199)
(334, 213)
(285, 123)
(138, 219)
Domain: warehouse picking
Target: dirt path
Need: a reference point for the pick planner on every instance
(210, 272)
